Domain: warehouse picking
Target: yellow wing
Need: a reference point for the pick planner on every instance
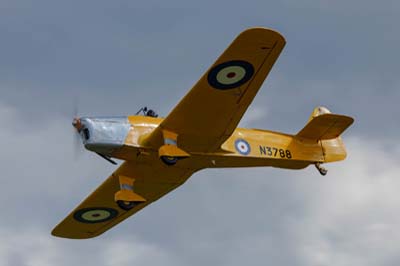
(99, 212)
(210, 112)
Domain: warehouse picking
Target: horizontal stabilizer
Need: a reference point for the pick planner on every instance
(325, 126)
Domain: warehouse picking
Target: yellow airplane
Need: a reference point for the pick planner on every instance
(160, 154)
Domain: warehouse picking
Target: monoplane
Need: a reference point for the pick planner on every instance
(201, 132)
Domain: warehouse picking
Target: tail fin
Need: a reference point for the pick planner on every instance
(326, 128)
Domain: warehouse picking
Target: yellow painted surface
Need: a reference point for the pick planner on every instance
(207, 116)
(172, 151)
(265, 146)
(204, 126)
(325, 126)
(152, 181)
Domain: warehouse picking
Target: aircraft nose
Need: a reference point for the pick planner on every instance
(76, 123)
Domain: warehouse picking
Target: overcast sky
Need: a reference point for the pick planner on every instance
(113, 57)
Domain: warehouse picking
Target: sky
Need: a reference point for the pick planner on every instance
(114, 57)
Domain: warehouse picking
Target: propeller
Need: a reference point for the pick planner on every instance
(76, 123)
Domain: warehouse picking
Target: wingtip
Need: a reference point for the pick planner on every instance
(62, 234)
(263, 30)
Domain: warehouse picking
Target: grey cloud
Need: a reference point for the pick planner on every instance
(119, 52)
(224, 216)
(118, 57)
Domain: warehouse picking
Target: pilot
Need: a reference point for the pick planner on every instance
(151, 113)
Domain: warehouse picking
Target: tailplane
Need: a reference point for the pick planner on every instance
(323, 125)
(326, 128)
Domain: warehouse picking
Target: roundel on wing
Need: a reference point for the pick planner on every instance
(242, 146)
(95, 215)
(230, 75)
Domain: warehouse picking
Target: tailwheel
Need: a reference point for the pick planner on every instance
(169, 160)
(127, 205)
(321, 170)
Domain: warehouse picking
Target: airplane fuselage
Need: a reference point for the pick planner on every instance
(125, 138)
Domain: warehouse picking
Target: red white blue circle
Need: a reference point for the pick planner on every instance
(230, 75)
(242, 146)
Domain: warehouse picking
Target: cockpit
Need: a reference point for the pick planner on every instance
(147, 112)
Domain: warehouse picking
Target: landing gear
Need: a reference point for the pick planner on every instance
(127, 205)
(170, 153)
(125, 198)
(321, 170)
(169, 160)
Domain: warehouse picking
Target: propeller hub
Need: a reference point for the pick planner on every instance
(76, 123)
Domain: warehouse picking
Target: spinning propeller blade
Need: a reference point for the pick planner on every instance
(76, 123)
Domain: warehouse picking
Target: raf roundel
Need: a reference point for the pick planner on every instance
(230, 75)
(95, 215)
(242, 146)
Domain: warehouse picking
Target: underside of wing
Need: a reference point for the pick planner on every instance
(212, 109)
(99, 212)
